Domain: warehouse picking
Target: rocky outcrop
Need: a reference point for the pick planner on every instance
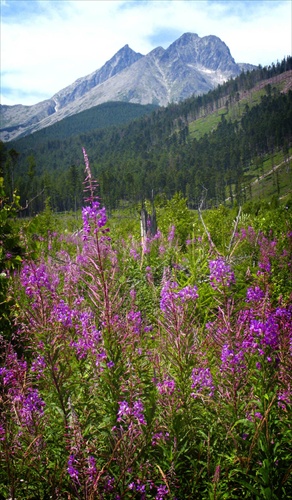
(190, 65)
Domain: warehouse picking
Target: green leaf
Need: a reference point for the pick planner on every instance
(248, 486)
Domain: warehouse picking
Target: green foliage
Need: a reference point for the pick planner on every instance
(174, 212)
(157, 154)
(95, 335)
(11, 253)
(105, 115)
(158, 367)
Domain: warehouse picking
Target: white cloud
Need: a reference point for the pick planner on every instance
(48, 44)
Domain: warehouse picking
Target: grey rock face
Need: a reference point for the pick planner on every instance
(124, 58)
(190, 65)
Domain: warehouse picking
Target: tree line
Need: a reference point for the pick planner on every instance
(157, 153)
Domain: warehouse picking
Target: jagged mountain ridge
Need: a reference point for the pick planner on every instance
(124, 58)
(190, 65)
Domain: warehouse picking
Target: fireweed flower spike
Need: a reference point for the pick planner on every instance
(220, 273)
(171, 234)
(85, 373)
(93, 216)
(162, 492)
(254, 294)
(136, 411)
(171, 296)
(232, 361)
(72, 471)
(92, 470)
(166, 387)
(32, 406)
(202, 382)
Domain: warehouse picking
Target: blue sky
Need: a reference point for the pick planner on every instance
(48, 44)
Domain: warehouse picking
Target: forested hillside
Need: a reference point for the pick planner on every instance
(154, 367)
(102, 116)
(221, 142)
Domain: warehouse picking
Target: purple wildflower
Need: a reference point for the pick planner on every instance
(264, 335)
(167, 386)
(95, 215)
(231, 360)
(284, 398)
(271, 333)
(31, 406)
(220, 273)
(38, 366)
(135, 411)
(167, 295)
(254, 294)
(124, 410)
(34, 278)
(134, 321)
(2, 433)
(149, 274)
(171, 234)
(172, 297)
(88, 336)
(134, 253)
(64, 314)
(110, 484)
(159, 436)
(33, 402)
(162, 491)
(91, 467)
(188, 293)
(72, 471)
(14, 372)
(216, 474)
(258, 415)
(267, 250)
(138, 412)
(139, 487)
(202, 381)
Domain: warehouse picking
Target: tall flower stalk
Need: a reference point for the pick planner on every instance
(166, 379)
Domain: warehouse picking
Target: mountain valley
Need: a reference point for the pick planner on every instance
(189, 66)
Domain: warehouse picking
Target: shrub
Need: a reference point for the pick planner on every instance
(146, 371)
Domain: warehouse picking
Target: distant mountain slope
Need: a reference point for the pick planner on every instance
(221, 142)
(98, 117)
(123, 59)
(190, 65)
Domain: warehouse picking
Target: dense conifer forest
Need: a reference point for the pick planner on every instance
(165, 152)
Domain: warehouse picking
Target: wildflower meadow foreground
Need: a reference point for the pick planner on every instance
(160, 370)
